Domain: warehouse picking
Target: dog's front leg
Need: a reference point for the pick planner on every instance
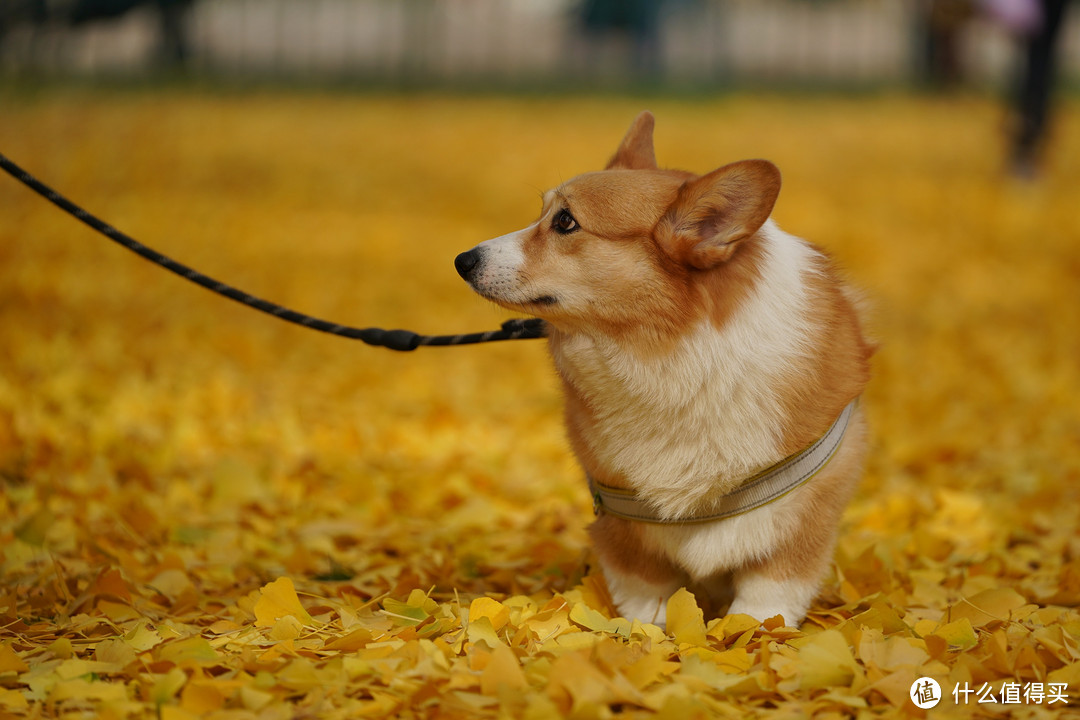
(639, 580)
(786, 581)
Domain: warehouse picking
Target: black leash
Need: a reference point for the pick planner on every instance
(404, 340)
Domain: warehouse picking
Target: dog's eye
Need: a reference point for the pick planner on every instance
(564, 222)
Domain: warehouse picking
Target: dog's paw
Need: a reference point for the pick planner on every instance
(637, 599)
(763, 598)
(645, 609)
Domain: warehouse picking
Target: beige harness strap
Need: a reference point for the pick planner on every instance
(761, 489)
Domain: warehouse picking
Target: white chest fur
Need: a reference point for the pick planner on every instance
(693, 423)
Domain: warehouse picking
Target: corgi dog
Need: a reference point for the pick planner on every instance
(711, 365)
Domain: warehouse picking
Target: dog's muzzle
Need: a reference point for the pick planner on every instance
(490, 269)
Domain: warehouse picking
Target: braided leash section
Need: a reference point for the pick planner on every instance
(401, 340)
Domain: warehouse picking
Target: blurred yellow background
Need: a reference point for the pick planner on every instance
(148, 425)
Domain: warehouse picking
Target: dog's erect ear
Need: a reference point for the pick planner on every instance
(636, 149)
(714, 212)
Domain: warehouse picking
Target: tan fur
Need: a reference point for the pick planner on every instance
(808, 552)
(825, 383)
(621, 543)
(680, 317)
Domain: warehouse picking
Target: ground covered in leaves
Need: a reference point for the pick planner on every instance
(207, 512)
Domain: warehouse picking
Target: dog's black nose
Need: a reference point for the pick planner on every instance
(466, 262)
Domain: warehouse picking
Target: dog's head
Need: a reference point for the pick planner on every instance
(621, 247)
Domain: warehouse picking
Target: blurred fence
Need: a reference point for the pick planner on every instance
(511, 41)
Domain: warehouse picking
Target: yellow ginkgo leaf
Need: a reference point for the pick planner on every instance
(591, 619)
(493, 610)
(989, 607)
(277, 600)
(685, 620)
(826, 660)
(13, 699)
(286, 628)
(189, 650)
(502, 671)
(10, 661)
(956, 635)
